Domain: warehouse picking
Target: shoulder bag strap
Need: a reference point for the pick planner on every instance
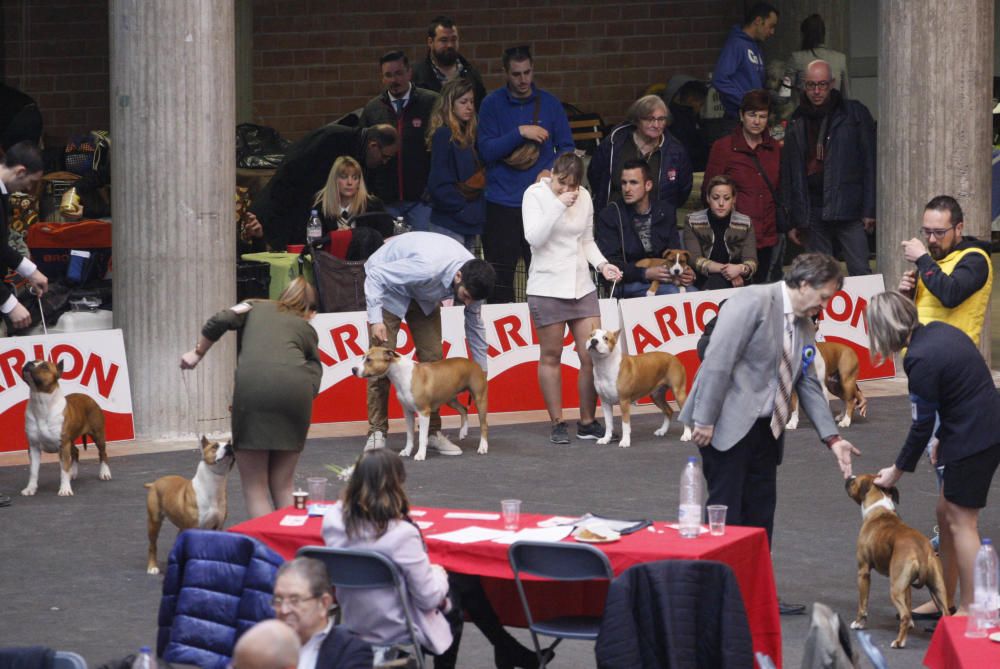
(763, 175)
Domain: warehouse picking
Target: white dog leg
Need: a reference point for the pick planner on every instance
(609, 421)
(35, 457)
(405, 453)
(687, 433)
(626, 439)
(105, 473)
(73, 470)
(793, 421)
(463, 431)
(65, 489)
(663, 427)
(425, 428)
(484, 446)
(845, 421)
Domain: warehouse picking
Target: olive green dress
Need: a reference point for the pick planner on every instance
(277, 375)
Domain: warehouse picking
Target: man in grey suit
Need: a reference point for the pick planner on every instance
(740, 400)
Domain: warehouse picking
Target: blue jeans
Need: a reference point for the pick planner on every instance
(416, 214)
(469, 241)
(639, 288)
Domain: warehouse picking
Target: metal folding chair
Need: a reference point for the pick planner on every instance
(361, 569)
(560, 562)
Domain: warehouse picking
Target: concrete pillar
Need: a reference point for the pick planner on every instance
(935, 126)
(173, 170)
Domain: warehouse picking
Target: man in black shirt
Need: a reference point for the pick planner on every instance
(444, 62)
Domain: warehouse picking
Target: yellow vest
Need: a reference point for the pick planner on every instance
(967, 316)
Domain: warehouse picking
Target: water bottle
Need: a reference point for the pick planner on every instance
(689, 509)
(987, 590)
(144, 660)
(314, 229)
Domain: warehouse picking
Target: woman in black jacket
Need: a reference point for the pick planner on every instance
(345, 196)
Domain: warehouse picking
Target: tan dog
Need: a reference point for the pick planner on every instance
(622, 379)
(423, 387)
(199, 502)
(894, 549)
(675, 260)
(53, 421)
(837, 367)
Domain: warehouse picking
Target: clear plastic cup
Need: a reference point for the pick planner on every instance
(977, 623)
(717, 519)
(317, 488)
(511, 511)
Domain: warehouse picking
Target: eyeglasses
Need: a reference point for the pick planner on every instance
(293, 602)
(817, 85)
(936, 234)
(656, 120)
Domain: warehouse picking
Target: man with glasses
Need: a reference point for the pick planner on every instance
(828, 171)
(302, 600)
(512, 120)
(444, 62)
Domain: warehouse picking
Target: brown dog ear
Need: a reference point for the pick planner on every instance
(390, 354)
(204, 441)
(59, 367)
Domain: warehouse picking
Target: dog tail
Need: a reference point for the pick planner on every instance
(83, 439)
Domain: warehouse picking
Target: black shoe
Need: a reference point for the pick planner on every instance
(560, 433)
(592, 430)
(933, 615)
(786, 609)
(4, 500)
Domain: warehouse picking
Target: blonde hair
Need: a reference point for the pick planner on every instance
(298, 298)
(892, 318)
(462, 133)
(328, 198)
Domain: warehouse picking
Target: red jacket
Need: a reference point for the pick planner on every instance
(731, 156)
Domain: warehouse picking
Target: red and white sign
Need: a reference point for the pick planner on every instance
(93, 364)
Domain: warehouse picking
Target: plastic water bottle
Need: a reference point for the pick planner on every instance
(145, 659)
(689, 510)
(987, 590)
(314, 229)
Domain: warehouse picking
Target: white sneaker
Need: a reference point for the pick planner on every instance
(443, 445)
(375, 440)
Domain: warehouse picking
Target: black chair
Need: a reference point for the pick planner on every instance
(560, 562)
(363, 569)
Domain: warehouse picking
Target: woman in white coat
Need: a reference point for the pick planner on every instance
(559, 225)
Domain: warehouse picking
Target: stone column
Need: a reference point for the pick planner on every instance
(173, 174)
(935, 125)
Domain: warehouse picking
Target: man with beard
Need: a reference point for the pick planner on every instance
(828, 171)
(444, 62)
(408, 278)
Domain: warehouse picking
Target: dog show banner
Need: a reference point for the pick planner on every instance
(93, 364)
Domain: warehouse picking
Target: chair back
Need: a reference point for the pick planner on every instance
(358, 569)
(65, 659)
(559, 561)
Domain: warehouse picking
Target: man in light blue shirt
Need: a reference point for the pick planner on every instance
(408, 278)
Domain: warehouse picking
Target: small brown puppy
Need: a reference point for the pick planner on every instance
(53, 421)
(894, 549)
(199, 502)
(675, 260)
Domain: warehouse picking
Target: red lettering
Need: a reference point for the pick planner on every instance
(105, 379)
(859, 313)
(507, 329)
(701, 314)
(408, 346)
(11, 364)
(688, 318)
(325, 358)
(839, 310)
(75, 368)
(39, 352)
(665, 318)
(644, 339)
(346, 337)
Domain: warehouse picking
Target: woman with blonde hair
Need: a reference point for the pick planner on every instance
(456, 181)
(277, 376)
(344, 197)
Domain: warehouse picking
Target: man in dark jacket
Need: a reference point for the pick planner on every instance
(639, 228)
(828, 171)
(444, 62)
(740, 67)
(283, 205)
(685, 122)
(401, 183)
(20, 171)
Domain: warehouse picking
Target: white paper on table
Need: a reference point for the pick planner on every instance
(472, 515)
(552, 534)
(319, 509)
(294, 521)
(555, 521)
(417, 512)
(675, 526)
(470, 535)
(424, 524)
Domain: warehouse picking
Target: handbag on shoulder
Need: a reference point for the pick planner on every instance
(526, 155)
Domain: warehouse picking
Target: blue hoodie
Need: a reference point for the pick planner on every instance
(740, 68)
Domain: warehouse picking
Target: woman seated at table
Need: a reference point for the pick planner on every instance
(720, 239)
(344, 197)
(373, 514)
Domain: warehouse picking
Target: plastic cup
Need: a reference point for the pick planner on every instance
(300, 499)
(717, 519)
(976, 623)
(317, 488)
(511, 510)
(294, 248)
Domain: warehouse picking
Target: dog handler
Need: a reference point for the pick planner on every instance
(947, 377)
(277, 376)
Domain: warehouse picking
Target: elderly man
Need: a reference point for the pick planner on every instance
(828, 171)
(444, 62)
(267, 645)
(302, 600)
(741, 398)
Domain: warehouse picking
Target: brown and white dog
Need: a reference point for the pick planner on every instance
(199, 502)
(53, 421)
(837, 368)
(894, 549)
(675, 260)
(423, 387)
(622, 379)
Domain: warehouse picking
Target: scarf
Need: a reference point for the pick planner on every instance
(817, 121)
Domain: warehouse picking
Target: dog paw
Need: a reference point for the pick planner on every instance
(859, 625)
(484, 447)
(687, 434)
(66, 492)
(604, 440)
(30, 490)
(154, 570)
(845, 422)
(898, 644)
(624, 443)
(463, 432)
(420, 456)
(105, 474)
(406, 452)
(660, 432)
(73, 472)
(793, 423)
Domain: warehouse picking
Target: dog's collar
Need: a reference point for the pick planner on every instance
(885, 503)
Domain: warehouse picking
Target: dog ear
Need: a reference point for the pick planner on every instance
(204, 441)
(59, 367)
(391, 354)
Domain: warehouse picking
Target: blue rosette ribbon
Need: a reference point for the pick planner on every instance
(808, 356)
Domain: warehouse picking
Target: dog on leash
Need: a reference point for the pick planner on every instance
(422, 388)
(837, 369)
(622, 379)
(199, 502)
(53, 421)
(894, 549)
(675, 260)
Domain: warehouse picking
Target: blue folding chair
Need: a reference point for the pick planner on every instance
(560, 562)
(362, 569)
(65, 659)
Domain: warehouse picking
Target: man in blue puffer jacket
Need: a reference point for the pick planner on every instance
(740, 67)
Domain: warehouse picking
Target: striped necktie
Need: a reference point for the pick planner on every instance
(783, 397)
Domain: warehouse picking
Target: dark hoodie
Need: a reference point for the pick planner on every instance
(740, 68)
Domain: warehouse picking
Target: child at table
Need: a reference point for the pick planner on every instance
(373, 514)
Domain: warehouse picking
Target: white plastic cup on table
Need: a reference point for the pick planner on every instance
(317, 488)
(511, 511)
(976, 625)
(717, 519)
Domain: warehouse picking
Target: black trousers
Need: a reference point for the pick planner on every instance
(467, 596)
(744, 478)
(503, 244)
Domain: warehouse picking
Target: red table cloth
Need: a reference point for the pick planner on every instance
(744, 549)
(951, 649)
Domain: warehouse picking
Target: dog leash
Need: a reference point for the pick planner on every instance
(613, 284)
(41, 311)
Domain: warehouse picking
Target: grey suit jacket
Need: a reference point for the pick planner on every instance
(739, 375)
